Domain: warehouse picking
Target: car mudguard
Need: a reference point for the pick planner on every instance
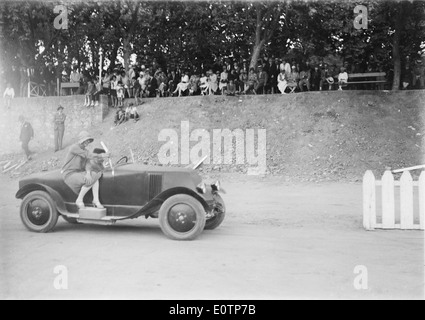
(60, 204)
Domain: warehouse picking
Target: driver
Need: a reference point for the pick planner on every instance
(78, 175)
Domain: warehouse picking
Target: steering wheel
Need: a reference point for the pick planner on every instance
(122, 160)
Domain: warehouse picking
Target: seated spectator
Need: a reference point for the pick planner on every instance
(233, 75)
(262, 78)
(282, 84)
(131, 113)
(182, 86)
(162, 81)
(252, 81)
(243, 81)
(119, 116)
(342, 78)
(231, 88)
(173, 81)
(9, 94)
(285, 66)
(224, 78)
(305, 78)
(212, 82)
(204, 86)
(293, 79)
(194, 84)
(89, 102)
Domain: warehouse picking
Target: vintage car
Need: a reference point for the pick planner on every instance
(184, 204)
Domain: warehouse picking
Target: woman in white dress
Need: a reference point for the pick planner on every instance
(281, 81)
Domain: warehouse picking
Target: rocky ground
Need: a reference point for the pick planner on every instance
(314, 136)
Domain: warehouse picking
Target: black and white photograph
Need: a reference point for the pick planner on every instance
(201, 151)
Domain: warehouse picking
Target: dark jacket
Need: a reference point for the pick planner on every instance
(27, 133)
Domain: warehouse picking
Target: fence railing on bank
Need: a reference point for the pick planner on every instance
(408, 215)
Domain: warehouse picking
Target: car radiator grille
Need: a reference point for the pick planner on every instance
(155, 185)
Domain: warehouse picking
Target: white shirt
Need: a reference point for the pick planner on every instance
(343, 76)
(10, 92)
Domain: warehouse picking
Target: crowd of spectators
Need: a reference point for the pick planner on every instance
(271, 76)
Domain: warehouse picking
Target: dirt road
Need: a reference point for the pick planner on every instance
(278, 241)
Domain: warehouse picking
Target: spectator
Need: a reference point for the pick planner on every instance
(114, 84)
(224, 78)
(418, 74)
(243, 81)
(136, 89)
(131, 113)
(204, 86)
(75, 77)
(27, 134)
(282, 83)
(315, 78)
(262, 81)
(194, 84)
(272, 72)
(8, 95)
(324, 76)
(212, 82)
(182, 85)
(252, 81)
(120, 93)
(152, 86)
(98, 91)
(49, 75)
(285, 66)
(231, 88)
(59, 127)
(293, 79)
(305, 76)
(126, 84)
(162, 83)
(119, 116)
(234, 75)
(106, 82)
(91, 89)
(342, 78)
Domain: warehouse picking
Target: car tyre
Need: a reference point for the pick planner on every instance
(182, 217)
(38, 212)
(215, 221)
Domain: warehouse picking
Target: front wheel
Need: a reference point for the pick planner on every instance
(182, 217)
(38, 212)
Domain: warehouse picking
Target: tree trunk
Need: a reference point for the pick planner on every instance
(126, 52)
(256, 54)
(396, 46)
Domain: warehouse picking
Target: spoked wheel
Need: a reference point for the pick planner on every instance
(182, 217)
(217, 214)
(38, 212)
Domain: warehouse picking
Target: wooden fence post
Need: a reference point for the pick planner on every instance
(388, 207)
(406, 201)
(369, 201)
(422, 200)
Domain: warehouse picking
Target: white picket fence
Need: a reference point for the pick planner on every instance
(406, 188)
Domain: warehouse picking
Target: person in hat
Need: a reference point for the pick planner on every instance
(119, 116)
(75, 173)
(59, 127)
(27, 134)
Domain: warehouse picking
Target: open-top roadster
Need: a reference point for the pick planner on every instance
(184, 204)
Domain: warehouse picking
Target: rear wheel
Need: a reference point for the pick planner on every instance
(38, 212)
(182, 217)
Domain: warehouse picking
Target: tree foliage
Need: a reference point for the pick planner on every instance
(201, 34)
